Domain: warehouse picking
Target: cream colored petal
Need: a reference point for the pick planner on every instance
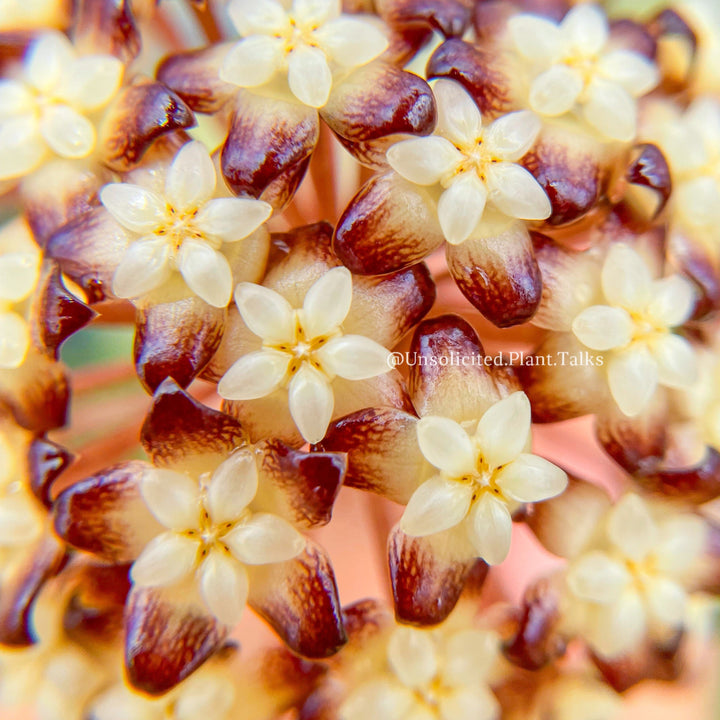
(504, 430)
(626, 278)
(18, 275)
(437, 505)
(134, 207)
(672, 301)
(446, 445)
(676, 361)
(20, 521)
(512, 135)
(380, 699)
(489, 528)
(327, 303)
(311, 403)
(350, 41)
(204, 695)
(254, 375)
(470, 657)
(232, 219)
(49, 58)
(699, 200)
(476, 702)
(667, 602)
(631, 528)
(166, 560)
(251, 17)
(683, 539)
(144, 267)
(634, 72)
(531, 478)
(316, 12)
(22, 147)
(535, 38)
(264, 539)
(620, 627)
(425, 160)
(515, 192)
(354, 357)
(601, 327)
(190, 181)
(461, 207)
(598, 578)
(68, 133)
(92, 81)
(459, 118)
(412, 657)
(206, 272)
(555, 91)
(266, 313)
(309, 76)
(585, 29)
(224, 586)
(232, 487)
(253, 61)
(611, 110)
(14, 340)
(173, 498)
(15, 99)
(633, 379)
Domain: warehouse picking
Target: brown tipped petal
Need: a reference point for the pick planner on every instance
(56, 314)
(194, 76)
(498, 274)
(428, 574)
(269, 145)
(106, 515)
(649, 185)
(22, 585)
(106, 27)
(181, 431)
(298, 485)
(89, 249)
(176, 340)
(266, 417)
(701, 263)
(386, 390)
(299, 600)
(142, 112)
(46, 461)
(449, 18)
(676, 48)
(388, 225)
(383, 453)
(385, 308)
(565, 524)
(376, 106)
(236, 341)
(441, 381)
(168, 636)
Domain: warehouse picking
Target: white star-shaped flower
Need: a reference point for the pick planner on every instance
(303, 349)
(574, 68)
(637, 580)
(483, 477)
(634, 329)
(212, 534)
(309, 41)
(182, 229)
(473, 166)
(48, 107)
(432, 676)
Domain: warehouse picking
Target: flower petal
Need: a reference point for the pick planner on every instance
(504, 430)
(253, 61)
(18, 275)
(633, 378)
(512, 135)
(667, 602)
(309, 76)
(144, 267)
(21, 147)
(535, 38)
(476, 702)
(683, 538)
(585, 27)
(232, 219)
(354, 357)
(635, 73)
(611, 110)
(68, 133)
(253, 18)
(619, 627)
(350, 41)
(626, 278)
(311, 402)
(254, 375)
(598, 578)
(676, 361)
(381, 698)
(14, 340)
(134, 207)
(206, 272)
(425, 160)
(631, 528)
(412, 656)
(267, 313)
(515, 192)
(602, 327)
(190, 180)
(461, 206)
(264, 538)
(446, 445)
(470, 657)
(459, 118)
(555, 91)
(49, 56)
(672, 301)
(224, 586)
(93, 81)
(327, 302)
(437, 505)
(173, 498)
(489, 528)
(166, 560)
(530, 478)
(232, 487)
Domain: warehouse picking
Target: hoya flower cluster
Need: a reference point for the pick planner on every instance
(414, 412)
